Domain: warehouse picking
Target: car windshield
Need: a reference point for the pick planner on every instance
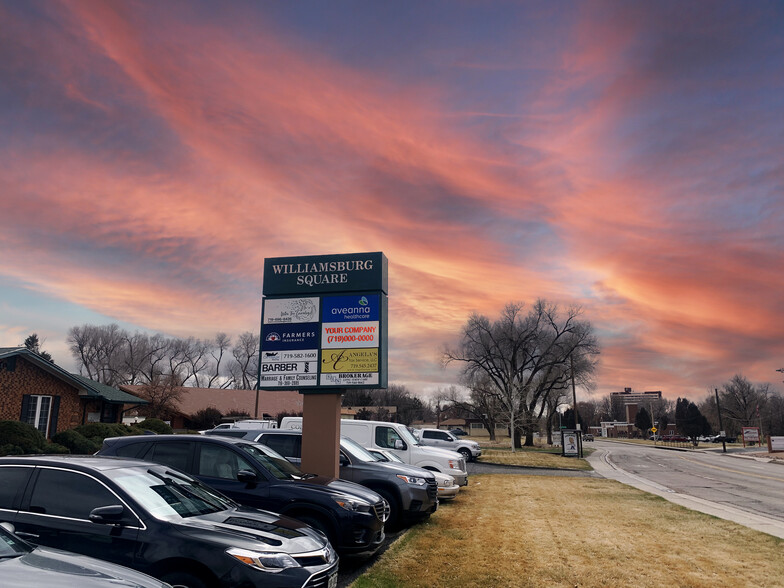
(169, 495)
(408, 437)
(392, 457)
(10, 546)
(273, 462)
(356, 450)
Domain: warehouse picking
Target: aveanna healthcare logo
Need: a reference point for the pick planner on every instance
(363, 301)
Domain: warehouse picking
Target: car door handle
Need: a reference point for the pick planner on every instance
(24, 535)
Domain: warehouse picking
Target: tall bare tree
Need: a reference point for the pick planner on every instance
(244, 367)
(526, 357)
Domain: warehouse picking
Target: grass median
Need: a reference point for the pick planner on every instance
(533, 532)
(534, 457)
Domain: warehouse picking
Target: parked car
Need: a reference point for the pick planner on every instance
(675, 438)
(397, 438)
(720, 439)
(458, 432)
(24, 565)
(158, 521)
(351, 515)
(470, 450)
(412, 493)
(447, 489)
(588, 437)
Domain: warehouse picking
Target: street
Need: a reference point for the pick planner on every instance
(744, 490)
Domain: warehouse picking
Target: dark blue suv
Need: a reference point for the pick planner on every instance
(350, 515)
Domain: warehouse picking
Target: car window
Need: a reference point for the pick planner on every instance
(429, 435)
(12, 483)
(386, 437)
(68, 494)
(171, 454)
(10, 546)
(131, 450)
(356, 450)
(286, 445)
(216, 461)
(277, 465)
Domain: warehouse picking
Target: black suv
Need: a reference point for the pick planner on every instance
(412, 493)
(254, 475)
(158, 521)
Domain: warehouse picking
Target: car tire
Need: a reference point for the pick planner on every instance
(183, 580)
(466, 453)
(393, 522)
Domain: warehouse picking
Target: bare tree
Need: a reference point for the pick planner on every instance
(526, 357)
(743, 403)
(243, 368)
(163, 395)
(221, 345)
(483, 402)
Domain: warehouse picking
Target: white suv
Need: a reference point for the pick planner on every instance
(446, 440)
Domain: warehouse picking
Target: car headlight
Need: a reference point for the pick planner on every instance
(272, 562)
(454, 464)
(412, 480)
(352, 504)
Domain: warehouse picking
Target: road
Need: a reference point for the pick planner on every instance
(745, 490)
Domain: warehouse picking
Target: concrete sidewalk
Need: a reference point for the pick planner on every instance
(601, 465)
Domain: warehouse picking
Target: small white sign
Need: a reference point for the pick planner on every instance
(777, 443)
(350, 379)
(278, 311)
(273, 380)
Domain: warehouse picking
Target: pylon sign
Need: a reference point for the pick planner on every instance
(324, 322)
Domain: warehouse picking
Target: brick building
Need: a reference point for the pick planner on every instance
(192, 400)
(36, 391)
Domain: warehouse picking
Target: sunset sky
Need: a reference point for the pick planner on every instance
(624, 156)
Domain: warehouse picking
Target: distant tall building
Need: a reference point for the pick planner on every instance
(629, 397)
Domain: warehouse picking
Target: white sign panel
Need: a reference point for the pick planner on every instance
(777, 443)
(290, 355)
(278, 311)
(349, 334)
(349, 379)
(274, 380)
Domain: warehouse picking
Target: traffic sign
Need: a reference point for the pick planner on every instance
(654, 429)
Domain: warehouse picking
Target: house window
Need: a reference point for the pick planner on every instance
(38, 413)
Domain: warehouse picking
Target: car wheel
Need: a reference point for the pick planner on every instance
(393, 521)
(465, 453)
(183, 580)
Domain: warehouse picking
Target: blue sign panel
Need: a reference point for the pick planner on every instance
(290, 336)
(359, 307)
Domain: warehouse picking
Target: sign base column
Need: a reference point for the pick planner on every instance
(321, 433)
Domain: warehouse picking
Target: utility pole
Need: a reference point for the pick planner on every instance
(574, 401)
(721, 427)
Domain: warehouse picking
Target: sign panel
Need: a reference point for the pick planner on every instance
(360, 307)
(750, 434)
(279, 311)
(324, 322)
(359, 334)
(349, 360)
(351, 272)
(349, 379)
(289, 337)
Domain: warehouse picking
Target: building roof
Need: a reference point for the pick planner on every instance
(85, 386)
(272, 402)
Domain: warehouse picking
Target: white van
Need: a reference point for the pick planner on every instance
(396, 438)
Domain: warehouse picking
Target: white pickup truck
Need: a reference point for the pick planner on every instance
(446, 440)
(396, 438)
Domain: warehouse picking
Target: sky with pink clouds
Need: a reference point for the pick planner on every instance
(624, 156)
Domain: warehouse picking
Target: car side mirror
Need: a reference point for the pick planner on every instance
(8, 527)
(247, 476)
(344, 460)
(400, 444)
(107, 515)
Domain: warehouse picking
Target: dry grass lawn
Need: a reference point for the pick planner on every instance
(533, 458)
(533, 532)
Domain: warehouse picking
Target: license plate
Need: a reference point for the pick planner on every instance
(333, 581)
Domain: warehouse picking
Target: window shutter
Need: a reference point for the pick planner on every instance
(55, 414)
(25, 407)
